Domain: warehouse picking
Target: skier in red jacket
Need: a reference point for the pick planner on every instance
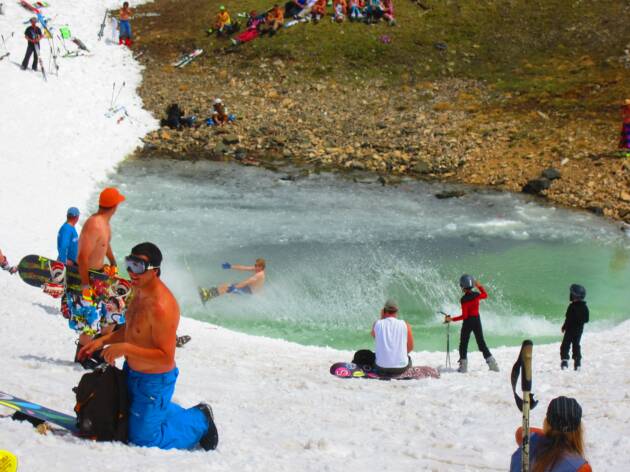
(472, 323)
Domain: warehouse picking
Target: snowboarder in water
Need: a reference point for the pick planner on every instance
(472, 323)
(573, 327)
(147, 341)
(33, 35)
(250, 286)
(559, 445)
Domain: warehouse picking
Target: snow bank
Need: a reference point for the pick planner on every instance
(276, 405)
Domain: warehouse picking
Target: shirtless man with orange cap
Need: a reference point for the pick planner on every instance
(94, 247)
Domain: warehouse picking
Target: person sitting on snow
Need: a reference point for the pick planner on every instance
(4, 264)
(273, 21)
(339, 10)
(394, 342)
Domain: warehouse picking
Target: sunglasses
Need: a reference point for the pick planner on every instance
(138, 266)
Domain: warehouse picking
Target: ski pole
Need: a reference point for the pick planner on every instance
(111, 99)
(447, 363)
(526, 387)
(118, 94)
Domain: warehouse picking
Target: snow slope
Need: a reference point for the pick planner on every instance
(276, 405)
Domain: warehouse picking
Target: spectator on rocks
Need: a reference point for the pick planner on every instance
(388, 12)
(253, 24)
(293, 8)
(355, 9)
(220, 115)
(340, 9)
(318, 11)
(223, 25)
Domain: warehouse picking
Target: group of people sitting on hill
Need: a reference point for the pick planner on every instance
(177, 119)
(270, 21)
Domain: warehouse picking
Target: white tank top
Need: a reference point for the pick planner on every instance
(391, 343)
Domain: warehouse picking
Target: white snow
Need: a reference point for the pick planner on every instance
(276, 406)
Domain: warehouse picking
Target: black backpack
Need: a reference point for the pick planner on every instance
(102, 406)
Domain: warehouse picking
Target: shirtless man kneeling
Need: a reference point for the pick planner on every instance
(147, 340)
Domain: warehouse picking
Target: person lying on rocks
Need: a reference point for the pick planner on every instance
(273, 21)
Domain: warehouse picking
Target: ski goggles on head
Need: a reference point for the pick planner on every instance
(138, 266)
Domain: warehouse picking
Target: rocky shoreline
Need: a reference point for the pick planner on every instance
(450, 130)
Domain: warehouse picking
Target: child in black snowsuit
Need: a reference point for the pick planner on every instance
(573, 327)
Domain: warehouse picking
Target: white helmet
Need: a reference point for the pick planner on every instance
(217, 101)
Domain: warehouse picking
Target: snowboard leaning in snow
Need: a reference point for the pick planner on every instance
(349, 370)
(39, 412)
(39, 271)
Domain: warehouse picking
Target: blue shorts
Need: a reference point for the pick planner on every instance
(154, 421)
(243, 291)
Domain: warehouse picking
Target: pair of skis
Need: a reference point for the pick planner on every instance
(187, 58)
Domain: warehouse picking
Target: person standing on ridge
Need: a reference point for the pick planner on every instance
(124, 25)
(33, 35)
(559, 446)
(68, 238)
(94, 245)
(147, 341)
(471, 323)
(573, 327)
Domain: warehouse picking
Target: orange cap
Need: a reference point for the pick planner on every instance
(110, 197)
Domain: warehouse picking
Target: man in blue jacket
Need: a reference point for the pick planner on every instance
(68, 239)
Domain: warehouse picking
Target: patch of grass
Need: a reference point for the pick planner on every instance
(543, 51)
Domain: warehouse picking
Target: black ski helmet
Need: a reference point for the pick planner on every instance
(577, 292)
(466, 281)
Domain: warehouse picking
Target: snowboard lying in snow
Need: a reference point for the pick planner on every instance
(349, 370)
(34, 411)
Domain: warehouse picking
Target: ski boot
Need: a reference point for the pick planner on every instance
(564, 365)
(577, 364)
(211, 438)
(181, 340)
(463, 366)
(492, 364)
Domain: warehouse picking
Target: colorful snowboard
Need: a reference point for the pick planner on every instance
(348, 370)
(36, 271)
(33, 410)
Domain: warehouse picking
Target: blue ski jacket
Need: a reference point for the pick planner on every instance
(67, 243)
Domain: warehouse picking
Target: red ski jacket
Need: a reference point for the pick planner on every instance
(470, 303)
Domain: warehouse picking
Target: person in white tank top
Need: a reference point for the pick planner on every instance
(394, 341)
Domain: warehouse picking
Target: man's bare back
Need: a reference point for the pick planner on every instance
(94, 241)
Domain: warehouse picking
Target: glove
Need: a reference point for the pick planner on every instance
(111, 270)
(231, 288)
(226, 265)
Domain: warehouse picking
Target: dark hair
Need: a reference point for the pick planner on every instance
(151, 252)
